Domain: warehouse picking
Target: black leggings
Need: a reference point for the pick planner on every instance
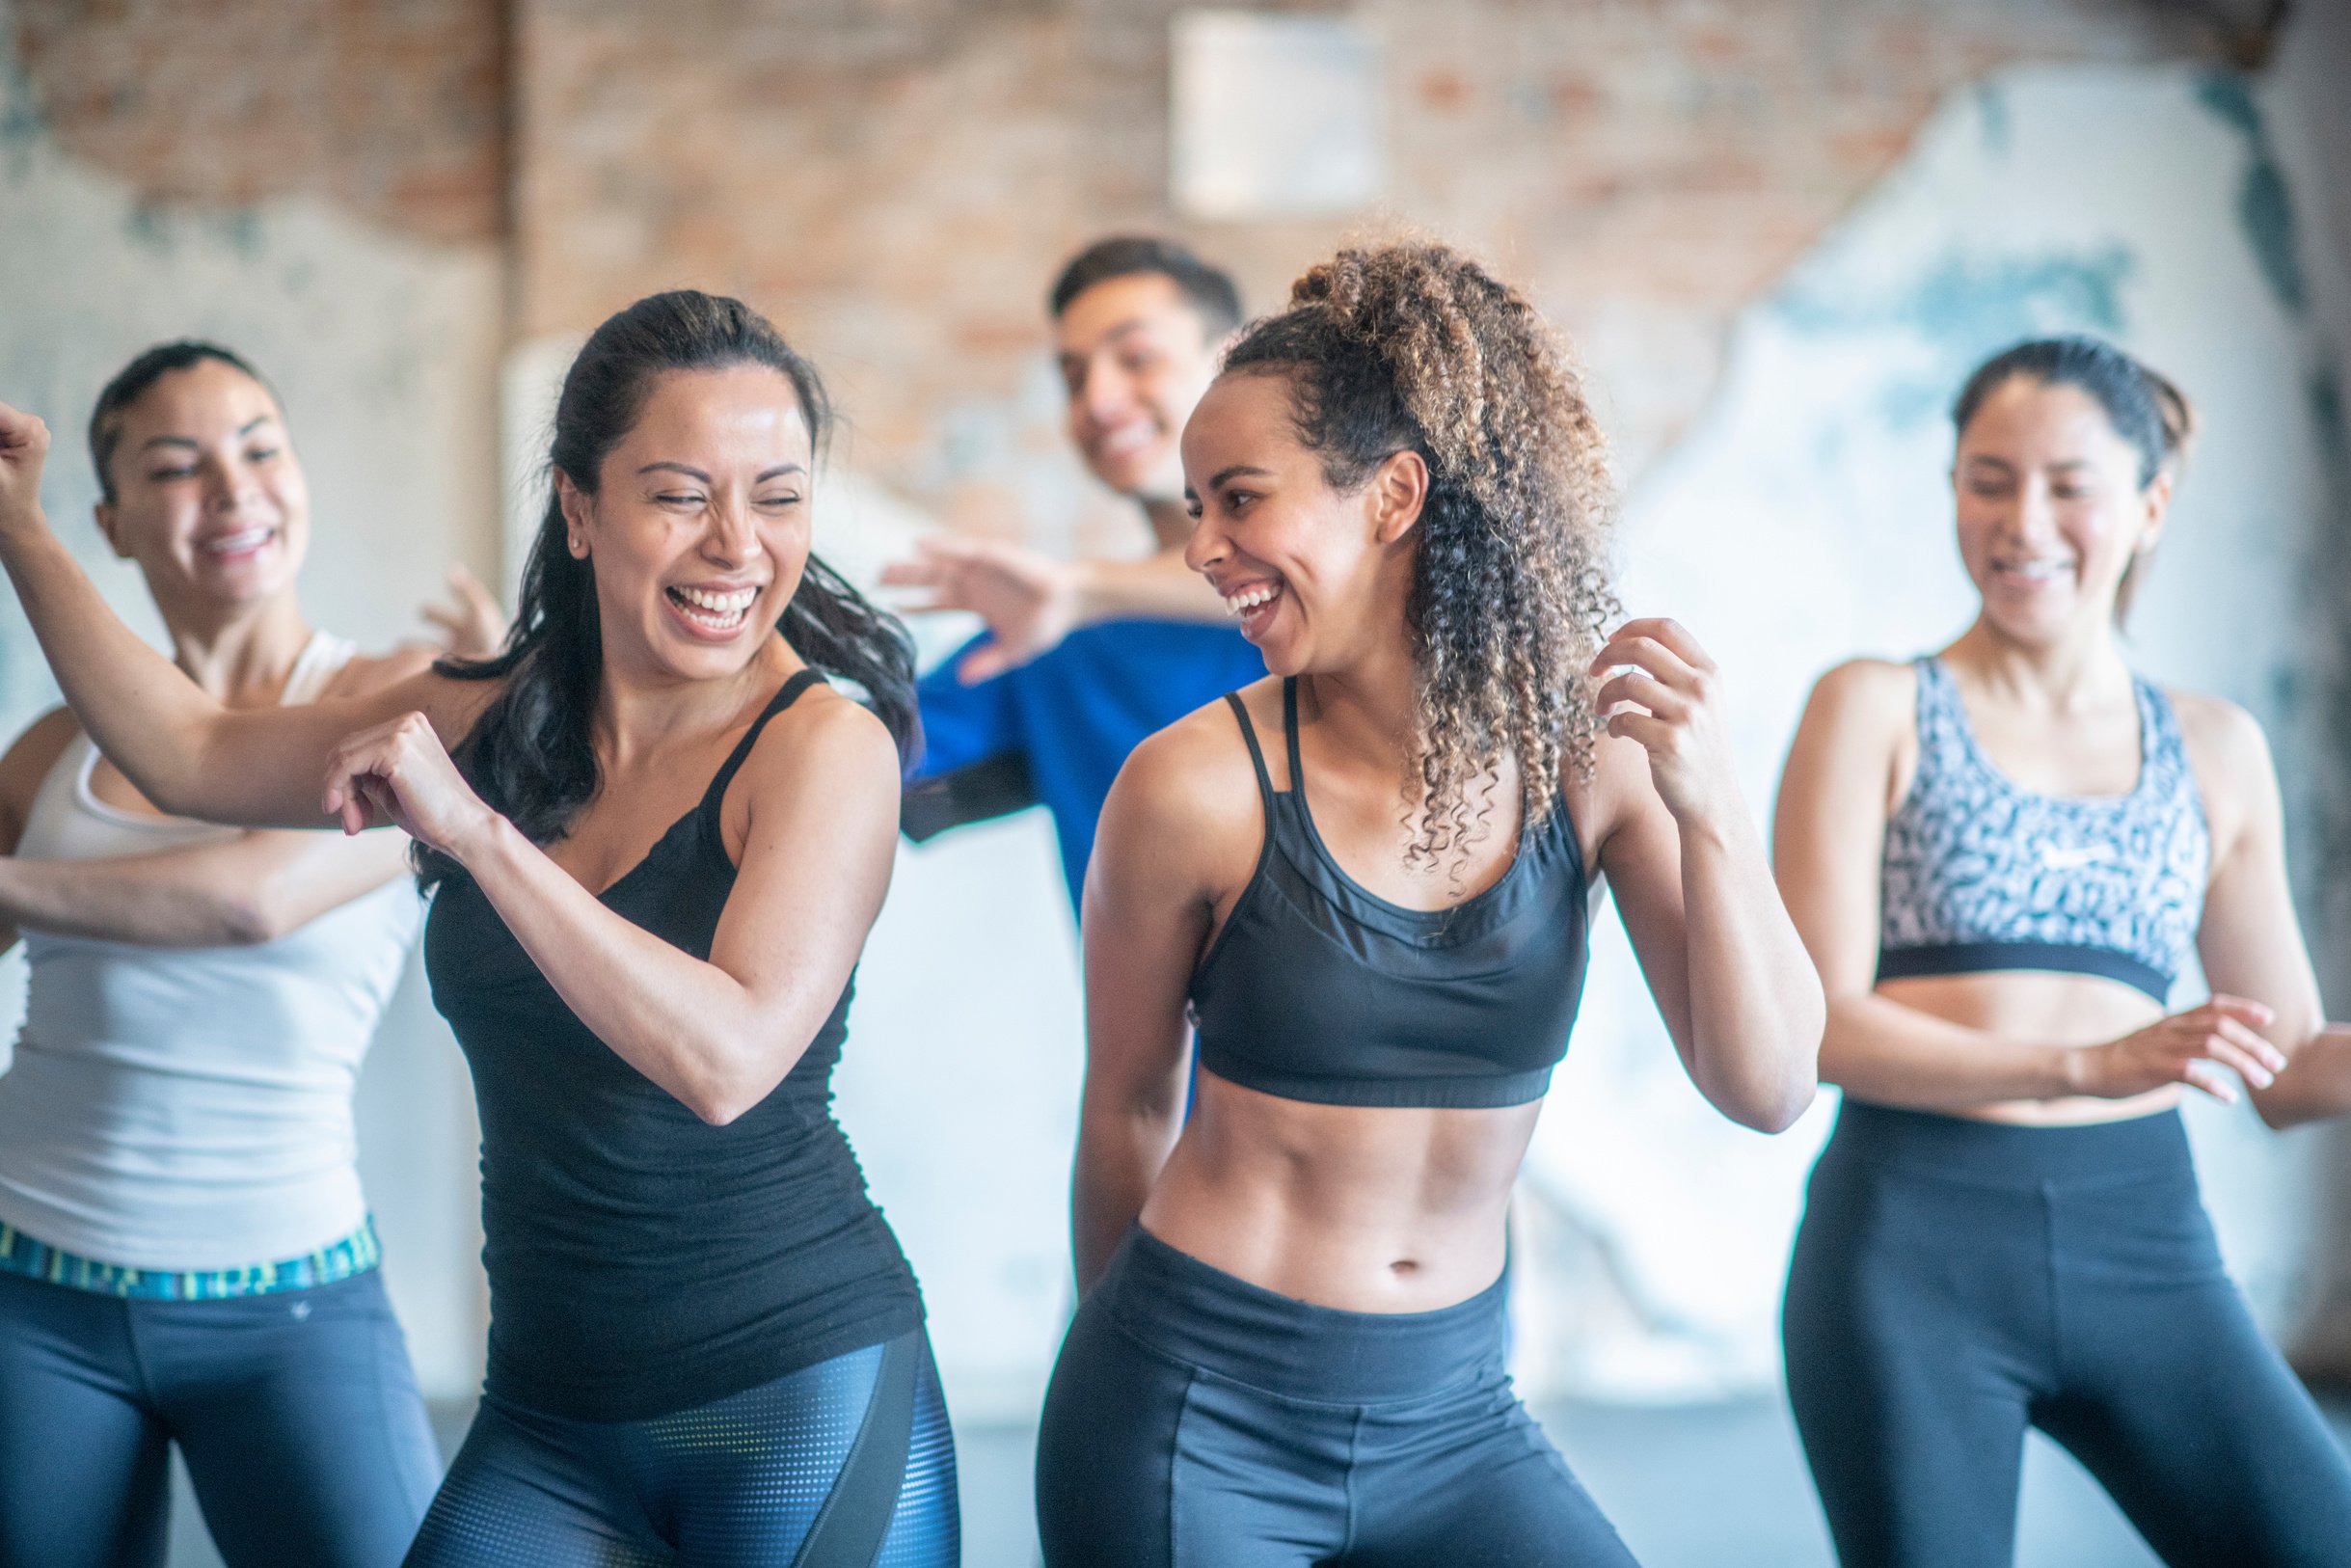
(846, 1464)
(1196, 1421)
(1956, 1282)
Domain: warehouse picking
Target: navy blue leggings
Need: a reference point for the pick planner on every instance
(296, 1413)
(1196, 1421)
(846, 1464)
(1956, 1281)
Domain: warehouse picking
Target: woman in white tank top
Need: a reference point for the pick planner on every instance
(185, 1254)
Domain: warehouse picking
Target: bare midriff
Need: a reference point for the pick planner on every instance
(2059, 1008)
(1366, 1209)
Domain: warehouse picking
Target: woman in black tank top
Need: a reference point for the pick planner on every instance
(1367, 881)
(659, 840)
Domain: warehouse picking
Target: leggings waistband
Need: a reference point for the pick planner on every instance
(339, 1259)
(1202, 1315)
(2000, 1154)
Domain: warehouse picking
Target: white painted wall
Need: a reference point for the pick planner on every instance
(385, 353)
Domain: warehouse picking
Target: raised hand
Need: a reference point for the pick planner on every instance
(472, 623)
(1029, 602)
(1667, 697)
(24, 448)
(398, 772)
(2201, 1047)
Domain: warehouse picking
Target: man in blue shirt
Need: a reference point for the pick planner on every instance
(1082, 660)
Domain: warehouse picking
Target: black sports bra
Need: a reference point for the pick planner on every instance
(1317, 990)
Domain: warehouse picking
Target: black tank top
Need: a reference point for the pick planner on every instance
(1317, 990)
(640, 1261)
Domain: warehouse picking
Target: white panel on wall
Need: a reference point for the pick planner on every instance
(1274, 114)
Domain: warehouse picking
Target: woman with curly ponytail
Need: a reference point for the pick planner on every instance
(1289, 1346)
(658, 837)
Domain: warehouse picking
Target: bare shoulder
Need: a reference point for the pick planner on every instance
(27, 761)
(1196, 776)
(2228, 752)
(825, 735)
(1183, 820)
(2219, 726)
(1878, 694)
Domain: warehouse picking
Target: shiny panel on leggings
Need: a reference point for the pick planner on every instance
(846, 1464)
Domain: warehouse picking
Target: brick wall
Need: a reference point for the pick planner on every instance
(392, 109)
(896, 181)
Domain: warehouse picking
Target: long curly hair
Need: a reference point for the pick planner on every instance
(1414, 347)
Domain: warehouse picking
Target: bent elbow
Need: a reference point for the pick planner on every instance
(251, 920)
(2279, 1113)
(1764, 1105)
(1778, 1115)
(723, 1094)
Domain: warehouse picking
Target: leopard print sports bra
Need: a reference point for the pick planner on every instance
(1980, 874)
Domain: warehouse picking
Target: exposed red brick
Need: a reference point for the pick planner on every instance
(393, 109)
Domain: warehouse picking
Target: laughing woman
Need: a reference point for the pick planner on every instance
(2001, 856)
(660, 838)
(1368, 880)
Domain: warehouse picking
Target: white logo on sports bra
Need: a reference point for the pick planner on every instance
(2074, 856)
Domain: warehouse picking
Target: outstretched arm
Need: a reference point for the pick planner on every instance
(1728, 971)
(1828, 842)
(815, 813)
(254, 767)
(1031, 602)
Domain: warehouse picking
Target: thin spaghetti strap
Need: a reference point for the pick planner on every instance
(1289, 732)
(786, 695)
(1257, 757)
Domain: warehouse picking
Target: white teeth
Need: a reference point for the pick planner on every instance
(1252, 598)
(230, 544)
(2033, 570)
(721, 604)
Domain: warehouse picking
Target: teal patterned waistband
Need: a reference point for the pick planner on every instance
(355, 1253)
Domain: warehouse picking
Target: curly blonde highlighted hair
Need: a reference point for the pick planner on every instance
(1414, 347)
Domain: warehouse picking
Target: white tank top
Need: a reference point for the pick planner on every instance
(190, 1108)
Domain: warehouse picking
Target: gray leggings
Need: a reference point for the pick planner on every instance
(1196, 1421)
(1956, 1281)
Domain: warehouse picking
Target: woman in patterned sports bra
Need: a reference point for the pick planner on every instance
(1367, 881)
(2000, 857)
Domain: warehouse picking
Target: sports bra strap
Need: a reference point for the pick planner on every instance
(1289, 732)
(1257, 757)
(785, 696)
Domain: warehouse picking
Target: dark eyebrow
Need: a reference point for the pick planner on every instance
(779, 472)
(1217, 479)
(188, 442)
(676, 467)
(253, 425)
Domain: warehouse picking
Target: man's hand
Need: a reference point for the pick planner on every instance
(1029, 602)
